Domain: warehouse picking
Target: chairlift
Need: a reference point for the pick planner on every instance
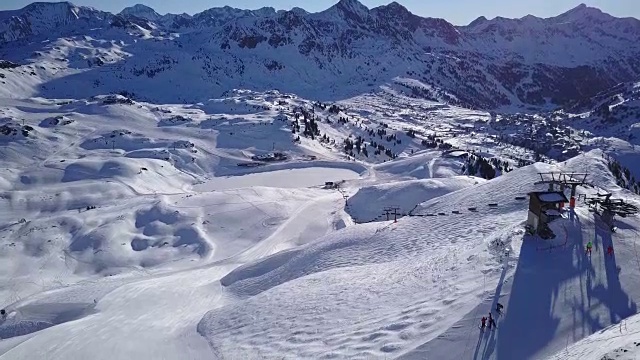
(607, 208)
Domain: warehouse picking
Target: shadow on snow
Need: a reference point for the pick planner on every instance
(556, 296)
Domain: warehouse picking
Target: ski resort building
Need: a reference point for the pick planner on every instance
(544, 207)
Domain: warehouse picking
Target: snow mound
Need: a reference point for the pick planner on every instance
(428, 164)
(82, 170)
(107, 242)
(282, 267)
(366, 205)
(131, 175)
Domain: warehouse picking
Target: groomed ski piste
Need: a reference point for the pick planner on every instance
(127, 232)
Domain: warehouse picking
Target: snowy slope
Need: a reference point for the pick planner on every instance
(367, 204)
(617, 342)
(612, 113)
(418, 287)
(405, 284)
(134, 165)
(573, 297)
(197, 187)
(114, 211)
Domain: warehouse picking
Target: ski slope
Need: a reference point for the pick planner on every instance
(417, 288)
(137, 230)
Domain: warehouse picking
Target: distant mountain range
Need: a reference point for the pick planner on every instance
(347, 49)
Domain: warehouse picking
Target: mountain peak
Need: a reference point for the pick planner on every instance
(350, 3)
(353, 7)
(49, 3)
(141, 11)
(583, 11)
(264, 11)
(299, 11)
(478, 21)
(580, 7)
(347, 10)
(42, 4)
(396, 8)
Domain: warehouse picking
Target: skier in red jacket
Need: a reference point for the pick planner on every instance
(483, 323)
(610, 250)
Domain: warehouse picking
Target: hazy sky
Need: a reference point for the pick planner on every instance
(459, 12)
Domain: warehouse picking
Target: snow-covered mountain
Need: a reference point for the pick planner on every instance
(344, 50)
(141, 11)
(224, 185)
(49, 19)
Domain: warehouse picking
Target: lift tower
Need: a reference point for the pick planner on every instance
(563, 180)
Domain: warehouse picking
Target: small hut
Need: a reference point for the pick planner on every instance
(544, 207)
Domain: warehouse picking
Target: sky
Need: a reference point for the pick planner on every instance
(458, 12)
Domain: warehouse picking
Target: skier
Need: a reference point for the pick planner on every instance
(492, 322)
(483, 322)
(499, 308)
(610, 250)
(589, 246)
(3, 314)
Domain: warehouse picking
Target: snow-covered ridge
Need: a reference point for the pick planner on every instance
(48, 18)
(345, 50)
